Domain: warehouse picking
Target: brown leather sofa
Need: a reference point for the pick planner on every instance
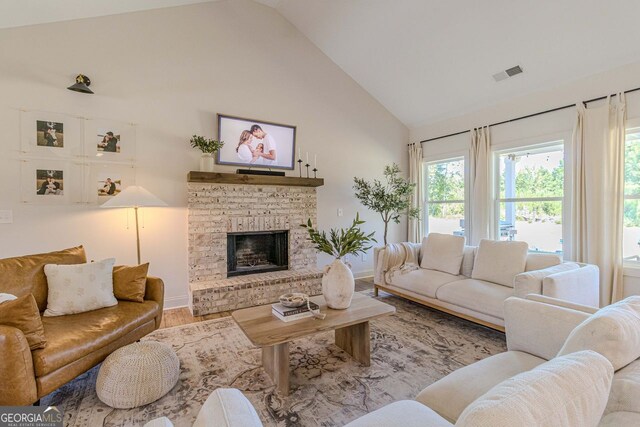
(75, 343)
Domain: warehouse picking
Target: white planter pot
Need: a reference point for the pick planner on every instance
(206, 162)
(338, 285)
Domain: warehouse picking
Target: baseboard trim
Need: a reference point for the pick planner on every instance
(176, 302)
(363, 274)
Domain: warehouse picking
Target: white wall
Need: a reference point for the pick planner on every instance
(170, 71)
(547, 127)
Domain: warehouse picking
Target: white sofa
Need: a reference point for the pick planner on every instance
(413, 271)
(558, 371)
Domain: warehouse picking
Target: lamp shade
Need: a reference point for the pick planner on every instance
(133, 196)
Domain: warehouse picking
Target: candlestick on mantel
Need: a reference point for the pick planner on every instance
(307, 157)
(300, 166)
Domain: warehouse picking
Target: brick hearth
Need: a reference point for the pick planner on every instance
(217, 209)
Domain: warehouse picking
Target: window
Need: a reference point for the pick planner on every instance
(530, 196)
(445, 198)
(631, 230)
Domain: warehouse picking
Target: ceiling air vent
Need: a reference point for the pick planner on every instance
(510, 72)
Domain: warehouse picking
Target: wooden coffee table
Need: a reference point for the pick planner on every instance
(273, 335)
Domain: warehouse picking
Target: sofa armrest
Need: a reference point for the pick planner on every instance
(581, 286)
(562, 303)
(538, 328)
(407, 413)
(378, 262)
(155, 292)
(18, 385)
(391, 256)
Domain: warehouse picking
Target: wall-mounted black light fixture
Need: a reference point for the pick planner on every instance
(82, 84)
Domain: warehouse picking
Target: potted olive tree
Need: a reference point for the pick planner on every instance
(208, 148)
(390, 199)
(338, 284)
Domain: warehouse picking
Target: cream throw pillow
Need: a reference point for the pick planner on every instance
(567, 391)
(499, 262)
(79, 287)
(613, 331)
(442, 252)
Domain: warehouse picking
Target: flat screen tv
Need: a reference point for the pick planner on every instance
(256, 143)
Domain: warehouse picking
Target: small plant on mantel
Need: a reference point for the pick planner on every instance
(338, 284)
(206, 145)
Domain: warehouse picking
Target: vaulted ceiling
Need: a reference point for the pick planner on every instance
(428, 60)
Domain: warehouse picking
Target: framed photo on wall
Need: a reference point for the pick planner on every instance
(51, 182)
(256, 143)
(50, 134)
(111, 141)
(106, 180)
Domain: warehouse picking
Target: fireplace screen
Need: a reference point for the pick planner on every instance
(257, 252)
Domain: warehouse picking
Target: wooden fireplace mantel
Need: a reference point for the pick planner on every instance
(234, 178)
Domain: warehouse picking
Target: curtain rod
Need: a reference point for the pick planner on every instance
(524, 117)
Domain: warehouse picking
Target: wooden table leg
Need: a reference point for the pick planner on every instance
(356, 341)
(275, 360)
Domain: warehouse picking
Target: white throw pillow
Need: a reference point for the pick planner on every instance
(613, 331)
(499, 262)
(567, 391)
(469, 254)
(7, 297)
(442, 252)
(77, 288)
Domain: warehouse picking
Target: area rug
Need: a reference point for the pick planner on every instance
(409, 350)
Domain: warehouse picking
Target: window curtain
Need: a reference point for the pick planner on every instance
(597, 199)
(415, 229)
(479, 196)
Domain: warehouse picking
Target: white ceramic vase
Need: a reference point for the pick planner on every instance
(206, 162)
(338, 285)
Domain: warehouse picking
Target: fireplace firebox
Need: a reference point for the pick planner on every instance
(257, 252)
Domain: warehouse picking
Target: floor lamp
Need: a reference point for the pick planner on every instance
(134, 197)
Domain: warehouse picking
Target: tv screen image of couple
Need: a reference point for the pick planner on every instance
(254, 143)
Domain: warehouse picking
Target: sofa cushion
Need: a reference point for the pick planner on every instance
(405, 413)
(442, 252)
(613, 331)
(620, 419)
(25, 274)
(499, 262)
(79, 288)
(530, 282)
(71, 337)
(625, 389)
(477, 295)
(22, 313)
(421, 281)
(567, 391)
(540, 261)
(453, 393)
(468, 256)
(130, 282)
(227, 407)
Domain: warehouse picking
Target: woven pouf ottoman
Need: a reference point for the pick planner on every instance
(137, 374)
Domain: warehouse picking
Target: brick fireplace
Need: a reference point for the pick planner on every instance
(245, 244)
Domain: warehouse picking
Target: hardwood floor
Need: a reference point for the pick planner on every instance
(181, 316)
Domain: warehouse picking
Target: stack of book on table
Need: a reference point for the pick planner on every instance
(289, 314)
